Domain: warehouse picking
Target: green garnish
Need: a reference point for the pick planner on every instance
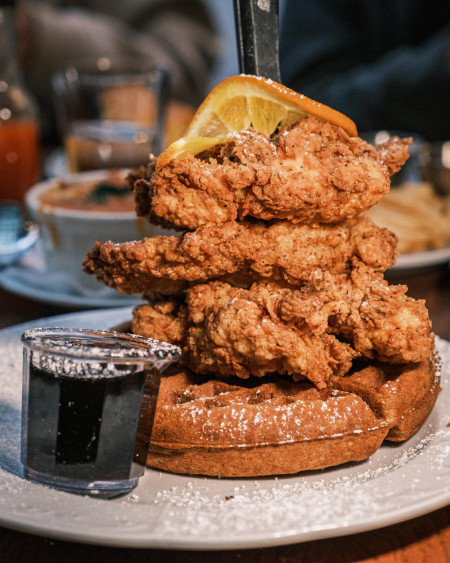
(102, 191)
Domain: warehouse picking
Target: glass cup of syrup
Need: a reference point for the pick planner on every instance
(89, 399)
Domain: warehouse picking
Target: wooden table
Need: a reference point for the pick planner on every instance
(425, 539)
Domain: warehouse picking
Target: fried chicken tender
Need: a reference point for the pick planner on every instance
(380, 320)
(167, 320)
(305, 333)
(243, 252)
(234, 333)
(228, 332)
(309, 172)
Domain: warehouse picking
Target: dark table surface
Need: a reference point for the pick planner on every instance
(423, 539)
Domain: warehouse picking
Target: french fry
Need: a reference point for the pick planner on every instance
(419, 217)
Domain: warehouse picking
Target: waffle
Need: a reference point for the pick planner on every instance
(280, 427)
(318, 323)
(402, 395)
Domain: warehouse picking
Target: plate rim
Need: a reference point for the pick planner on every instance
(145, 541)
(424, 259)
(50, 297)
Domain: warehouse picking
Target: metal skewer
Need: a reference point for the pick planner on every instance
(258, 37)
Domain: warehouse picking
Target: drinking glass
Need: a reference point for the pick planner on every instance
(110, 115)
(88, 403)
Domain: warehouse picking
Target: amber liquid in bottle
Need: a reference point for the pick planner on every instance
(19, 135)
(19, 158)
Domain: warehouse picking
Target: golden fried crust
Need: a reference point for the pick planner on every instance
(380, 320)
(305, 333)
(310, 172)
(138, 182)
(238, 332)
(213, 428)
(165, 321)
(243, 252)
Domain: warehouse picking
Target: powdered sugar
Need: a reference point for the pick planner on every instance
(398, 482)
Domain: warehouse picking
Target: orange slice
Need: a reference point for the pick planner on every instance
(239, 102)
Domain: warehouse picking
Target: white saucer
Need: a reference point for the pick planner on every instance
(29, 278)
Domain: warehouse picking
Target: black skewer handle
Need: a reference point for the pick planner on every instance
(258, 37)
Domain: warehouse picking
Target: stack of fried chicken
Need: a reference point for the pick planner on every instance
(297, 354)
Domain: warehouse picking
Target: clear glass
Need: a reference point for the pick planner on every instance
(88, 403)
(110, 116)
(436, 166)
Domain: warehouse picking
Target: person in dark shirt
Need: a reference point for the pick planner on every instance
(384, 63)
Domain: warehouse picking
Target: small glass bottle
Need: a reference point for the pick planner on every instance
(19, 131)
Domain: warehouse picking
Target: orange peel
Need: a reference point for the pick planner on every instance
(244, 101)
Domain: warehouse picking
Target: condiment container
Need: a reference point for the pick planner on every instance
(89, 399)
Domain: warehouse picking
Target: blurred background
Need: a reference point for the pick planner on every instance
(384, 63)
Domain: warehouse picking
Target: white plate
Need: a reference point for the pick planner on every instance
(54, 296)
(30, 279)
(399, 482)
(422, 259)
